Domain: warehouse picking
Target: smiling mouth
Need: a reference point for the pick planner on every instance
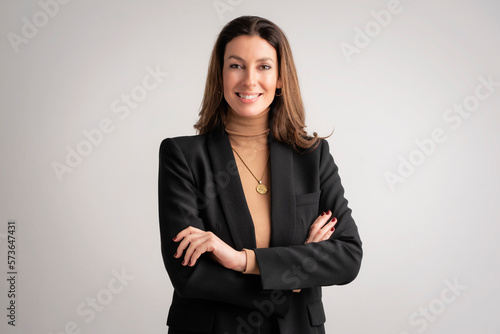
(249, 96)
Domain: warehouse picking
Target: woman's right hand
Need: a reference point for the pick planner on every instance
(194, 242)
(322, 228)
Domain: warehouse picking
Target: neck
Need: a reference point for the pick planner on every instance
(247, 125)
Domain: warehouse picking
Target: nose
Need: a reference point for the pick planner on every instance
(250, 79)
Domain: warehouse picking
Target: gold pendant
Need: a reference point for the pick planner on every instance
(261, 189)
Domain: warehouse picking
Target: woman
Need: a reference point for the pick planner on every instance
(253, 219)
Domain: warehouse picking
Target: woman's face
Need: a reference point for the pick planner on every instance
(250, 75)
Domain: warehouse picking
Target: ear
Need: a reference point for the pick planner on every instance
(278, 84)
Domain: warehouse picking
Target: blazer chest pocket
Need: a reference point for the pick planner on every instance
(307, 199)
(307, 209)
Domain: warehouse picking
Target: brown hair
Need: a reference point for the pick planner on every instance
(287, 117)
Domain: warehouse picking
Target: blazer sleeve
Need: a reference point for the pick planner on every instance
(335, 261)
(207, 279)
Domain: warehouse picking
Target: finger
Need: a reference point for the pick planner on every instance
(183, 245)
(331, 224)
(325, 232)
(181, 238)
(187, 231)
(328, 234)
(200, 243)
(195, 241)
(200, 249)
(320, 221)
(317, 229)
(316, 226)
(328, 229)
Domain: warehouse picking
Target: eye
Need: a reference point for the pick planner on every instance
(265, 67)
(235, 66)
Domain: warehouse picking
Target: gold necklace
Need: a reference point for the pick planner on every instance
(261, 188)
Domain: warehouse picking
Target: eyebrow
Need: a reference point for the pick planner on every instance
(243, 60)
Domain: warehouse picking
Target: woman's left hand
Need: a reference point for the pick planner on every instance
(322, 228)
(195, 242)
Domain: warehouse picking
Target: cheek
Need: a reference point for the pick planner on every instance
(270, 81)
(229, 81)
(226, 80)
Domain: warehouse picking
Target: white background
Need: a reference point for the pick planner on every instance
(438, 227)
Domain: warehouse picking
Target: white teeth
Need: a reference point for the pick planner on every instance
(248, 97)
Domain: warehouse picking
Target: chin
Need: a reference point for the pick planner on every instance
(249, 112)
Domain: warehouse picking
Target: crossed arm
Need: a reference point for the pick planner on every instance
(194, 242)
(217, 274)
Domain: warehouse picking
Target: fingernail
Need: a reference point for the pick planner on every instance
(323, 213)
(334, 219)
(190, 263)
(175, 255)
(174, 238)
(333, 229)
(184, 263)
(329, 212)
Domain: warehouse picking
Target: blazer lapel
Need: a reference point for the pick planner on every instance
(231, 192)
(282, 194)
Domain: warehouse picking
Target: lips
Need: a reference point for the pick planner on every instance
(248, 96)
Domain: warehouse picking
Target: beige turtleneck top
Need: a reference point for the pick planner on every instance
(248, 136)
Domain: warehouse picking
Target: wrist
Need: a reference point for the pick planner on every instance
(241, 263)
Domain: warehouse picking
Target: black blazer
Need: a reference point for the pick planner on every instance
(199, 185)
